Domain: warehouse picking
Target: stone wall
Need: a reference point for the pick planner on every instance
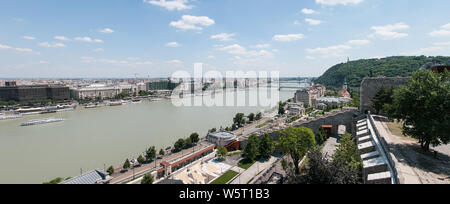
(370, 87)
(340, 118)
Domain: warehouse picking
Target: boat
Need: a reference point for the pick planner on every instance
(116, 103)
(155, 99)
(48, 111)
(8, 117)
(136, 101)
(43, 121)
(91, 105)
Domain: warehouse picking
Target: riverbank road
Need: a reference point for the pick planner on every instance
(131, 174)
(248, 175)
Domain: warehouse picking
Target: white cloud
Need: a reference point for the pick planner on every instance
(173, 44)
(211, 57)
(261, 46)
(224, 36)
(44, 62)
(62, 38)
(358, 42)
(90, 60)
(425, 51)
(51, 45)
(388, 32)
(336, 2)
(310, 58)
(29, 37)
(171, 5)
(443, 32)
(308, 11)
(174, 62)
(296, 22)
(442, 43)
(5, 47)
(98, 50)
(313, 21)
(237, 49)
(332, 51)
(107, 30)
(24, 50)
(88, 39)
(188, 22)
(288, 38)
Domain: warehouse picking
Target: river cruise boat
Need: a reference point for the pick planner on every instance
(44, 121)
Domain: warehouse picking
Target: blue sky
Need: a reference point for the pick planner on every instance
(121, 38)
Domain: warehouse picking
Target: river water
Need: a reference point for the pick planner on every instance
(94, 138)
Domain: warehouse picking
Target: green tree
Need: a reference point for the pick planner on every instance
(147, 179)
(126, 164)
(110, 170)
(281, 110)
(258, 116)
(382, 97)
(180, 144)
(194, 137)
(238, 120)
(267, 146)
(321, 136)
(423, 107)
(150, 153)
(297, 142)
(252, 148)
(251, 117)
(347, 153)
(188, 143)
(222, 152)
(162, 152)
(141, 159)
(212, 130)
(55, 181)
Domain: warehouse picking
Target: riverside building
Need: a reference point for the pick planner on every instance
(12, 92)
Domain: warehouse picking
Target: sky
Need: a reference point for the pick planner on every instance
(155, 38)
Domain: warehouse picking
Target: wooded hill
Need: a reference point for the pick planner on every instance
(355, 71)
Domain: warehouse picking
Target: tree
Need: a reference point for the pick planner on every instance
(127, 164)
(281, 110)
(150, 153)
(251, 117)
(188, 143)
(382, 97)
(322, 171)
(162, 152)
(258, 116)
(194, 137)
(110, 170)
(348, 154)
(238, 120)
(180, 144)
(141, 159)
(147, 179)
(423, 106)
(267, 146)
(252, 148)
(212, 130)
(297, 142)
(222, 152)
(321, 136)
(55, 181)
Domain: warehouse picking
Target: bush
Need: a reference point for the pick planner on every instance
(148, 179)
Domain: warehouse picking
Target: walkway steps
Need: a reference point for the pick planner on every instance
(371, 155)
(367, 147)
(379, 178)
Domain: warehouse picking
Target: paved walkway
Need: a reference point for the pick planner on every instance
(330, 147)
(253, 171)
(412, 165)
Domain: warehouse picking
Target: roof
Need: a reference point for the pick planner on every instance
(92, 177)
(171, 181)
(222, 135)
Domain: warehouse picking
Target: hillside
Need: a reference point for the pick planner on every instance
(356, 71)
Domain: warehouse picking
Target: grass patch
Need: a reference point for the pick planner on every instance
(245, 164)
(225, 178)
(262, 125)
(396, 128)
(234, 153)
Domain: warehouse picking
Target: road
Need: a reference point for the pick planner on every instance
(147, 168)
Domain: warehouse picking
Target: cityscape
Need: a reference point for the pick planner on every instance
(194, 93)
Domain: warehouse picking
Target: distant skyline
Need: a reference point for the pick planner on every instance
(121, 39)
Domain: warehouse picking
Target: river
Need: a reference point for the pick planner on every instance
(94, 138)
